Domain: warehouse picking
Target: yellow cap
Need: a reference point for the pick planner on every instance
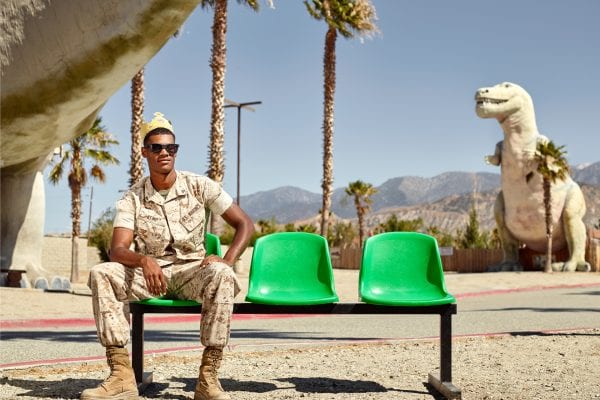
(159, 121)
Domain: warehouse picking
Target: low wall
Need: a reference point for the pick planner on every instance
(56, 257)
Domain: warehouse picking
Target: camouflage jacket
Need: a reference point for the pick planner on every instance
(172, 227)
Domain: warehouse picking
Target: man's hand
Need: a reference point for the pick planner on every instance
(212, 259)
(153, 274)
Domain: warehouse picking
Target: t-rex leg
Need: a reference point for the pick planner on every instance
(510, 245)
(575, 230)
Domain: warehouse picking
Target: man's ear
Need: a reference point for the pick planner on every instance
(144, 152)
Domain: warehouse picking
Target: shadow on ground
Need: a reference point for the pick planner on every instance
(178, 388)
(159, 336)
(550, 334)
(63, 389)
(299, 385)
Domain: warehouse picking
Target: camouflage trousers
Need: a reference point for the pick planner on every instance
(113, 285)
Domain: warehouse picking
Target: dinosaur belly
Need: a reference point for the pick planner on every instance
(526, 221)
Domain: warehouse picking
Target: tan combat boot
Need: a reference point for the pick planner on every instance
(208, 386)
(120, 384)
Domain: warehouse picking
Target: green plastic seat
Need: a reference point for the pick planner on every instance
(212, 244)
(402, 269)
(291, 268)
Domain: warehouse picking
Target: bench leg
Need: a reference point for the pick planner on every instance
(137, 351)
(443, 384)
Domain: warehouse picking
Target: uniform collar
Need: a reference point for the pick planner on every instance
(178, 189)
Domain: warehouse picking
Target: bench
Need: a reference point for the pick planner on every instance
(13, 277)
(291, 273)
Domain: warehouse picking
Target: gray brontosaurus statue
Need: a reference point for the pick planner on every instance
(60, 62)
(519, 207)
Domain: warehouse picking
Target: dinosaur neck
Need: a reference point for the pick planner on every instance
(519, 127)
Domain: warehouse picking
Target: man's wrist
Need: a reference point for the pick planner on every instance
(144, 261)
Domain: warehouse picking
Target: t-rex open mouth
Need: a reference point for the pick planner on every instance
(486, 100)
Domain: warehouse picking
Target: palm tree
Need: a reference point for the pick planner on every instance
(137, 113)
(552, 166)
(362, 192)
(345, 17)
(90, 145)
(218, 62)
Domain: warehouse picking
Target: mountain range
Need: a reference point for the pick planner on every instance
(442, 200)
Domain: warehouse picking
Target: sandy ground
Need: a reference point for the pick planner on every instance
(562, 365)
(548, 366)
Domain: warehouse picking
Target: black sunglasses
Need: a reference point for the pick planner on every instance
(171, 148)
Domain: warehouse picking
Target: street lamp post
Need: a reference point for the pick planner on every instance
(90, 214)
(239, 106)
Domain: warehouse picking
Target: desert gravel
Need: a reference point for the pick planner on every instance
(562, 365)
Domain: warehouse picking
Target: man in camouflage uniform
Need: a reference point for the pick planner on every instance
(158, 247)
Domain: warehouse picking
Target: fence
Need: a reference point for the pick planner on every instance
(592, 250)
(346, 257)
(461, 260)
(478, 260)
(471, 260)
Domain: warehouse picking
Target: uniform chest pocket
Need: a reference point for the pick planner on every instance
(193, 219)
(151, 223)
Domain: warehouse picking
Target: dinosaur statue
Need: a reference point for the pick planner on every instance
(60, 62)
(519, 207)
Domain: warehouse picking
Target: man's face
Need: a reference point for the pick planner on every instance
(159, 160)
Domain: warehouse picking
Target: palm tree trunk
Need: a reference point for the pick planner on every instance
(549, 224)
(137, 112)
(328, 108)
(361, 226)
(216, 169)
(75, 231)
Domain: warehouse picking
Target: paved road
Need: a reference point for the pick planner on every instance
(488, 310)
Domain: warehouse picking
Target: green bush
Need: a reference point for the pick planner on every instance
(100, 235)
(393, 224)
(341, 234)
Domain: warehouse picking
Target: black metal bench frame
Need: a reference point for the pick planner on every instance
(442, 383)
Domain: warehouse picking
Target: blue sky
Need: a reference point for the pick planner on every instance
(404, 99)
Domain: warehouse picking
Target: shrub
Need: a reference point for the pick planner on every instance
(101, 233)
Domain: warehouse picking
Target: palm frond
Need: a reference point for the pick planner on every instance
(348, 17)
(207, 4)
(551, 161)
(98, 173)
(101, 156)
(92, 145)
(253, 4)
(56, 172)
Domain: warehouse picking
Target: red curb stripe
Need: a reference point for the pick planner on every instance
(36, 363)
(46, 323)
(82, 322)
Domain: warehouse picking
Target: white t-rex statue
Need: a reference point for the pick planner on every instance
(519, 207)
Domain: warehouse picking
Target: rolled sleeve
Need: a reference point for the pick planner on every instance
(125, 215)
(221, 203)
(216, 199)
